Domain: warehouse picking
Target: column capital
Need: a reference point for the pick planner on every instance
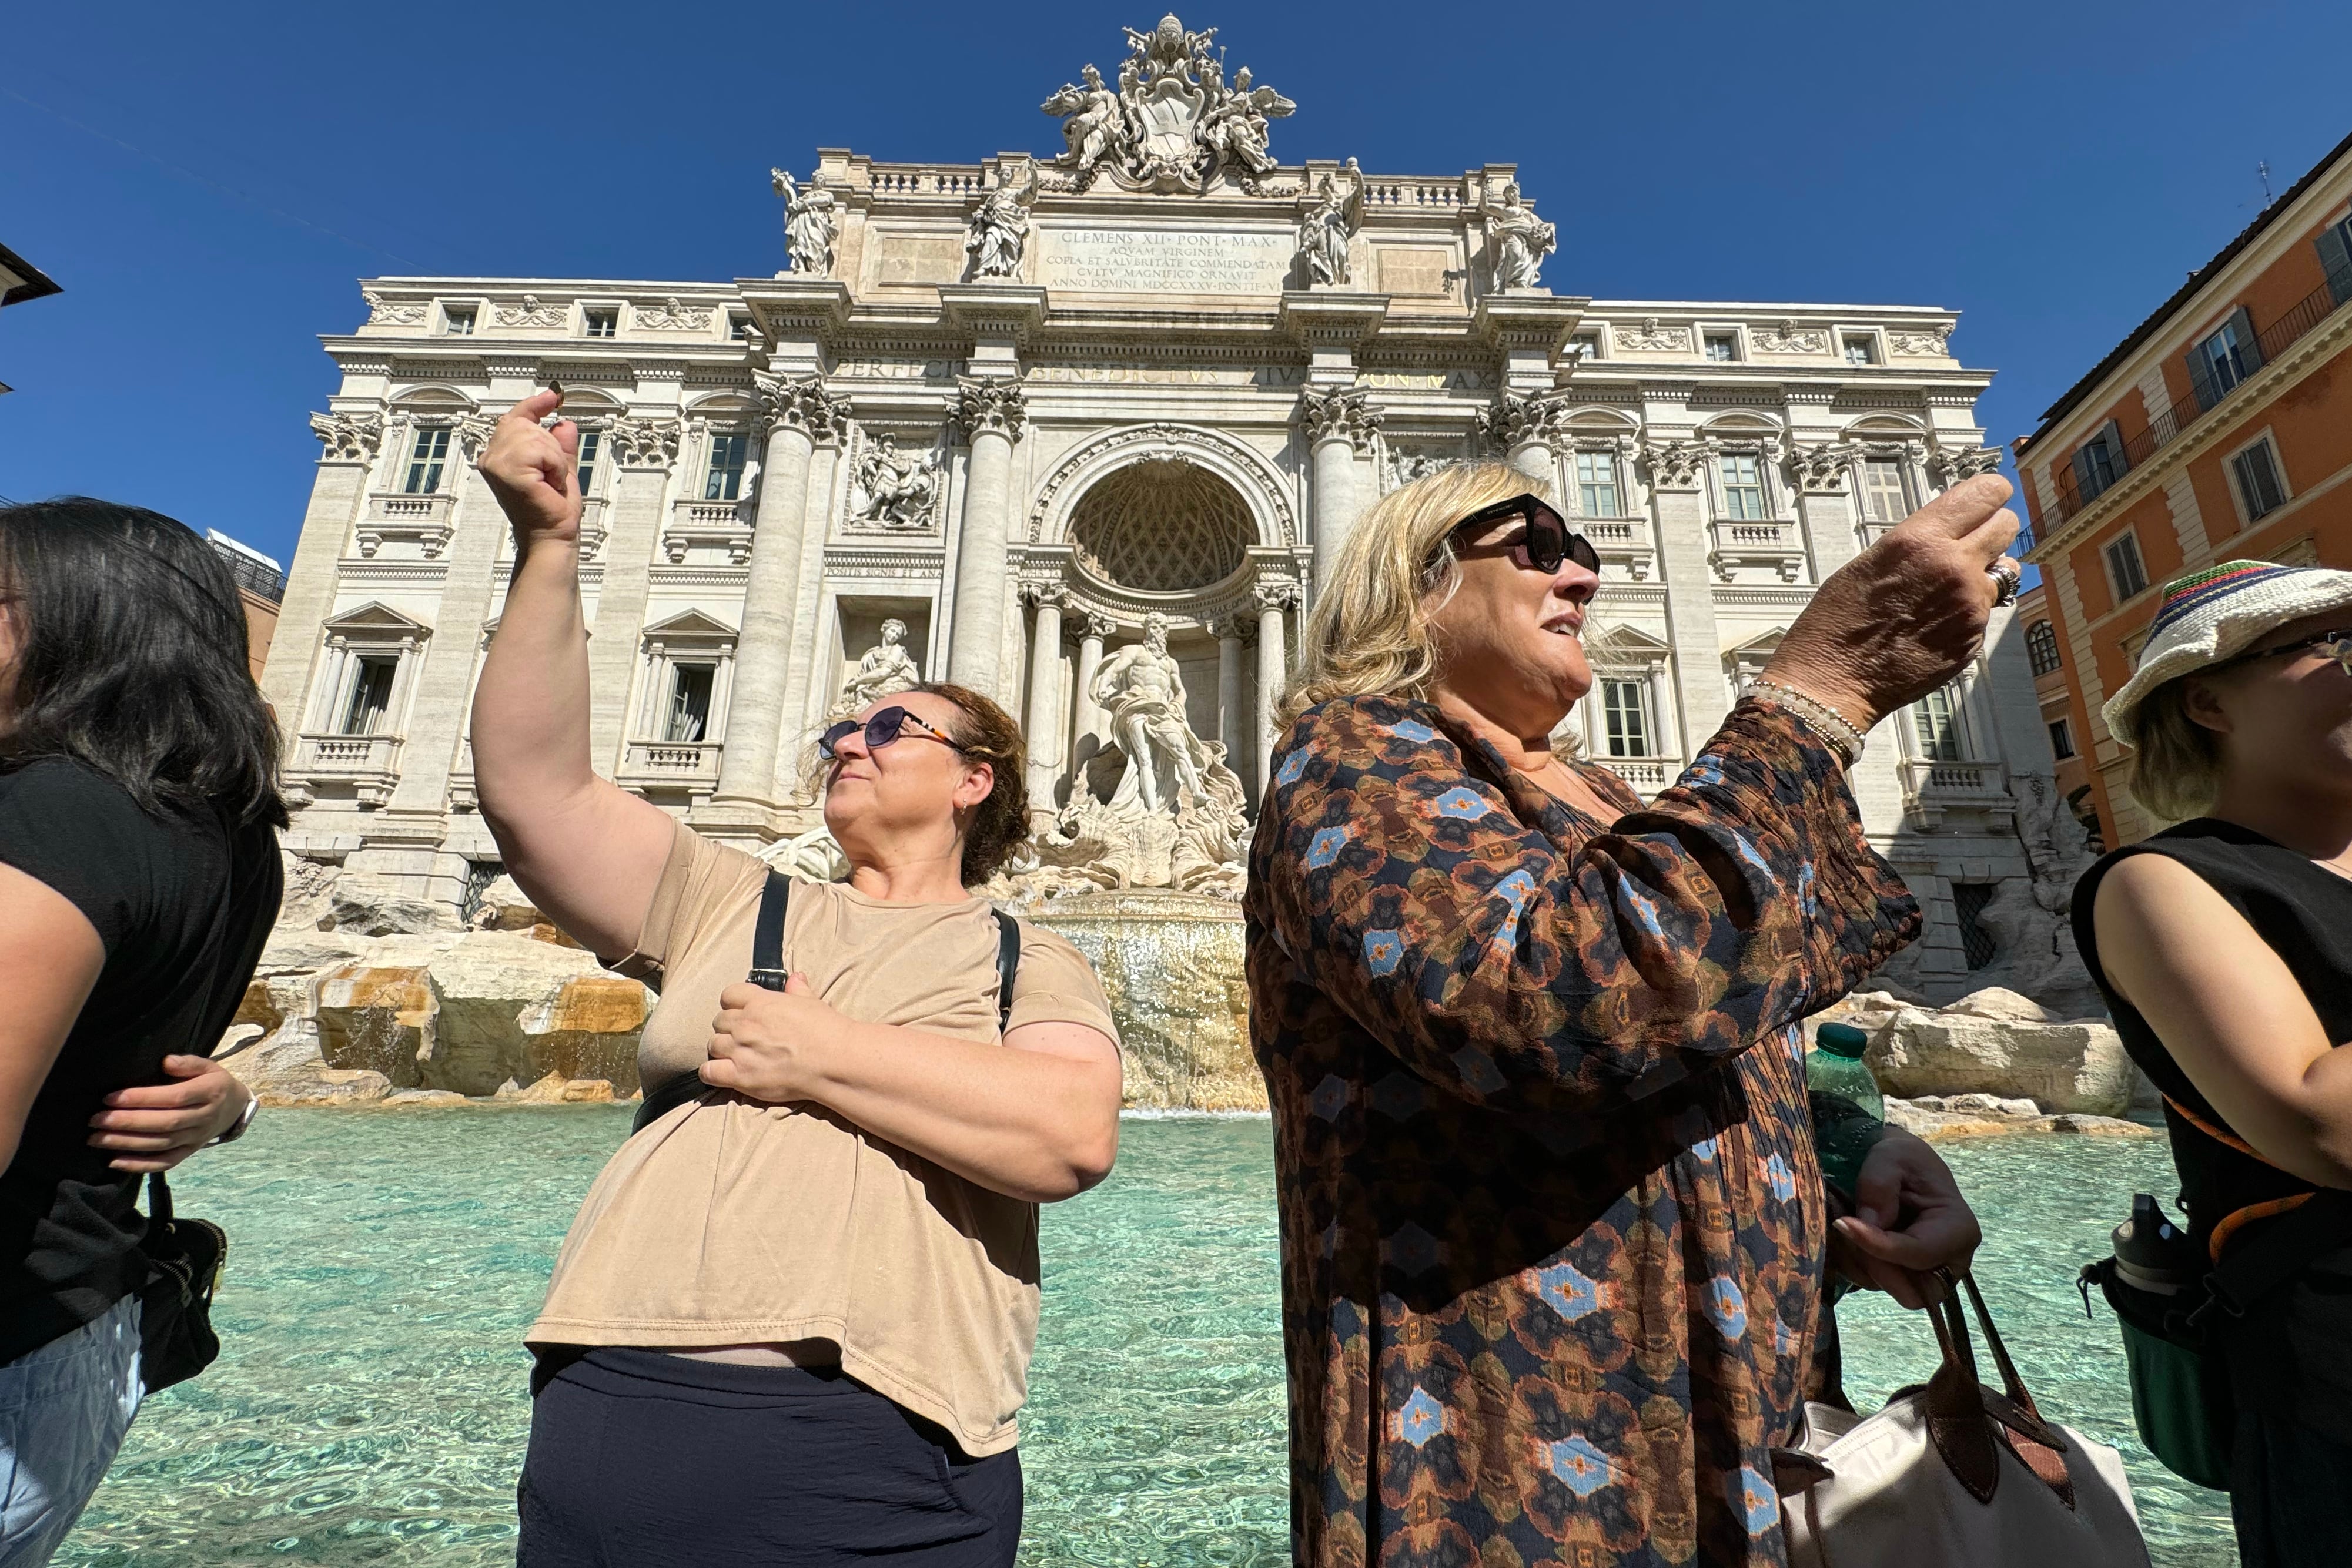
(1676, 464)
(1820, 468)
(1274, 594)
(1044, 595)
(801, 404)
(1226, 628)
(347, 437)
(1950, 464)
(998, 407)
(1524, 419)
(1341, 415)
(638, 442)
(1097, 625)
(474, 435)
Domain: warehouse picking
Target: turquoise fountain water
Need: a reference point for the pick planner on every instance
(371, 1408)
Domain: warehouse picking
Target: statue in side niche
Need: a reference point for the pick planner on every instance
(1142, 693)
(886, 670)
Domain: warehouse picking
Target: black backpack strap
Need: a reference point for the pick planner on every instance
(2283, 1248)
(1008, 962)
(767, 969)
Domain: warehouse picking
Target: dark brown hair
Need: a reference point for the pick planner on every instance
(1000, 822)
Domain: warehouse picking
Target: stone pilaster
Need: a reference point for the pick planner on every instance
(1678, 509)
(643, 451)
(1337, 425)
(1273, 671)
(798, 414)
(1044, 728)
(350, 441)
(439, 711)
(992, 414)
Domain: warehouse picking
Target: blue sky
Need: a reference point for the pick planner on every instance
(207, 181)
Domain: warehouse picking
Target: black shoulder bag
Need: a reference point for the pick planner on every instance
(175, 1306)
(768, 970)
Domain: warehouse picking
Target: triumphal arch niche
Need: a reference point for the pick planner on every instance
(1083, 426)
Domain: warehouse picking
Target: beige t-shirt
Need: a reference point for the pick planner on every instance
(733, 1222)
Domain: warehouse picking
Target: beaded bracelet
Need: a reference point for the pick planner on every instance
(1835, 727)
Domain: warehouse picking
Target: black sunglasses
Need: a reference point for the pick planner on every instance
(1547, 542)
(2336, 645)
(885, 728)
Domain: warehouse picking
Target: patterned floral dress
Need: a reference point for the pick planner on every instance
(1552, 1225)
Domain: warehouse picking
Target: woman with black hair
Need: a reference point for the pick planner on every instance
(139, 875)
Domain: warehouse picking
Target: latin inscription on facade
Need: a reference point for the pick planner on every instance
(1166, 261)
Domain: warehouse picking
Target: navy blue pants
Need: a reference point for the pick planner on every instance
(640, 1459)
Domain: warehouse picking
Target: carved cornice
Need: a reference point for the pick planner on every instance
(382, 312)
(1650, 337)
(643, 443)
(670, 316)
(347, 437)
(1935, 342)
(801, 403)
(1790, 339)
(532, 313)
(1338, 415)
(1676, 464)
(995, 407)
(1821, 469)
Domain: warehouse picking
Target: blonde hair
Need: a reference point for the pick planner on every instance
(2176, 769)
(1367, 633)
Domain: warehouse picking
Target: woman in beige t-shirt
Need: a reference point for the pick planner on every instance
(793, 1317)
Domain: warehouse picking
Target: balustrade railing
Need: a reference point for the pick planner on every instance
(1929, 777)
(673, 762)
(333, 754)
(2167, 425)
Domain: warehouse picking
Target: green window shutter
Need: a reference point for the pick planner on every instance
(2200, 377)
(2111, 434)
(2249, 352)
(2336, 257)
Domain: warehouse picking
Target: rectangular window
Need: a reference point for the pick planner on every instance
(738, 325)
(2042, 647)
(1883, 489)
(1722, 348)
(426, 460)
(2099, 463)
(459, 319)
(1743, 488)
(371, 695)
(591, 443)
(2062, 739)
(2256, 472)
(1584, 346)
(1625, 706)
(1596, 486)
(1861, 350)
(2222, 360)
(601, 323)
(2126, 574)
(689, 719)
(724, 481)
(1938, 725)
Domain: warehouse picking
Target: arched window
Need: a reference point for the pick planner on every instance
(2042, 647)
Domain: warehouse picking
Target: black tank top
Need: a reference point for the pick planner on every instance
(2292, 1355)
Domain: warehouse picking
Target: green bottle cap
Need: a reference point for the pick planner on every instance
(1842, 1039)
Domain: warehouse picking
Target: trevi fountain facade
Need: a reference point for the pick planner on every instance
(1083, 428)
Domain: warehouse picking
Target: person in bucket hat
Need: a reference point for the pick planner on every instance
(2223, 947)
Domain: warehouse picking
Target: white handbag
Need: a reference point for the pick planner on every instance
(1955, 1475)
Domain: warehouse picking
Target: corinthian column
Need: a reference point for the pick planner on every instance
(1272, 669)
(1092, 631)
(1046, 744)
(1337, 425)
(799, 413)
(643, 451)
(1528, 429)
(992, 414)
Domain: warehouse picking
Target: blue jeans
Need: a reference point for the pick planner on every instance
(63, 1411)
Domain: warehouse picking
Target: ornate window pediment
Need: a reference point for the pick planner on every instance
(689, 625)
(373, 621)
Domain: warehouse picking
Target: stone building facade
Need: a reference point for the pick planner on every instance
(1017, 406)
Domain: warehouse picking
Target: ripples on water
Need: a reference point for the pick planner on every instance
(369, 1406)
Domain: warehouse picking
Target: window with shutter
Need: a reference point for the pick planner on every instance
(2099, 462)
(2126, 572)
(689, 719)
(2062, 739)
(723, 481)
(2224, 358)
(2335, 256)
(2255, 471)
(426, 460)
(1626, 707)
(1937, 724)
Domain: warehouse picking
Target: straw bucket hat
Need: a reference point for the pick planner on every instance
(2208, 616)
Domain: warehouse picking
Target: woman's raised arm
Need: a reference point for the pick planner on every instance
(587, 853)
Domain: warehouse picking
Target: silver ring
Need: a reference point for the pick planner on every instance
(2006, 575)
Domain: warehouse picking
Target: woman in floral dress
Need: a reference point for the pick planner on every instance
(1552, 1226)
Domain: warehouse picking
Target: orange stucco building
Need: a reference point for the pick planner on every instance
(2221, 429)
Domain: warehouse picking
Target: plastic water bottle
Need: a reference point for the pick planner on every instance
(1848, 1110)
(2152, 1254)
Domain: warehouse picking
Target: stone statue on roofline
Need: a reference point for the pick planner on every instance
(1332, 220)
(1000, 226)
(1517, 240)
(1173, 123)
(811, 229)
